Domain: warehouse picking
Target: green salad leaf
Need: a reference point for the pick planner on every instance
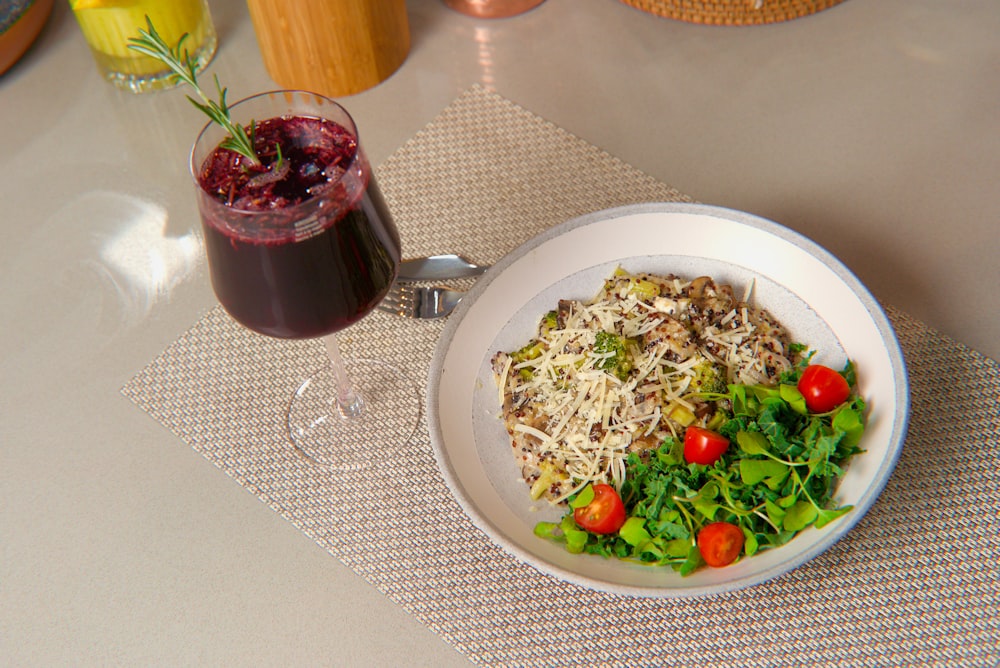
(777, 478)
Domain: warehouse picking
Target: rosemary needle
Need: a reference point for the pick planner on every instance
(185, 69)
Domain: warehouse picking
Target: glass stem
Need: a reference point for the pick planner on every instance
(349, 402)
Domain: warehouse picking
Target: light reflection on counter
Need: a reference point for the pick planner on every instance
(135, 256)
(484, 57)
(107, 263)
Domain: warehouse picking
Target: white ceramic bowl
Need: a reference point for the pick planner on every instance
(817, 298)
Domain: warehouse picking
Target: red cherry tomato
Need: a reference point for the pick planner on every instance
(823, 388)
(703, 446)
(605, 514)
(720, 543)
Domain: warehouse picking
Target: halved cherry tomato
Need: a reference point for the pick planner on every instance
(703, 446)
(605, 514)
(720, 543)
(823, 388)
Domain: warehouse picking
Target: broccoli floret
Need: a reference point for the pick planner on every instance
(530, 351)
(709, 378)
(548, 322)
(614, 353)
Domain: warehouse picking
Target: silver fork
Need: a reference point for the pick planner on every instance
(421, 302)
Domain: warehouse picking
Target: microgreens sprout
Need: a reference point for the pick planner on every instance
(185, 69)
(778, 478)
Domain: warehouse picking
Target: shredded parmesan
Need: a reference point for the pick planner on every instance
(586, 404)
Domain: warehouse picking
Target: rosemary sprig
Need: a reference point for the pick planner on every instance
(185, 69)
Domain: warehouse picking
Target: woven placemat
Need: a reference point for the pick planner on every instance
(916, 582)
(732, 12)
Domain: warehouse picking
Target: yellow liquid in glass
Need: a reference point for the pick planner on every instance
(107, 26)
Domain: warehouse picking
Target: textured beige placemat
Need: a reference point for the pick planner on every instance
(916, 582)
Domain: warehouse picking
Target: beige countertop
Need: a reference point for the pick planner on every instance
(872, 128)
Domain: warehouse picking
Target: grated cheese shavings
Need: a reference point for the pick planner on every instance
(585, 410)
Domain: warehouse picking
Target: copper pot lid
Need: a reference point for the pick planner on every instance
(492, 9)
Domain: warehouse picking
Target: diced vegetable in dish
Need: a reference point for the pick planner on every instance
(621, 373)
(687, 406)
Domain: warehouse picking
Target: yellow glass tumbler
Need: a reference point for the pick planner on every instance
(107, 26)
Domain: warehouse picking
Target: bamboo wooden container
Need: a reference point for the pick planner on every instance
(331, 47)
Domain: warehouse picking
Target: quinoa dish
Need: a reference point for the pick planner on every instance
(621, 373)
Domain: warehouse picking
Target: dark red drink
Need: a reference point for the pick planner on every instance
(303, 245)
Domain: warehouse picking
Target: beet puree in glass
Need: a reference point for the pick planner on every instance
(303, 245)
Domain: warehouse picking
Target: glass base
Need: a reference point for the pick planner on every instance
(321, 432)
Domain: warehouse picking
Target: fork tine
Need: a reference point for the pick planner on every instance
(390, 308)
(422, 302)
(396, 295)
(399, 300)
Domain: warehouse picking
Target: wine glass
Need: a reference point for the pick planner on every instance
(302, 249)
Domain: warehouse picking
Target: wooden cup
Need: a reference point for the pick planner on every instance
(331, 47)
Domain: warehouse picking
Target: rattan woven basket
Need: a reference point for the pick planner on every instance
(732, 12)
